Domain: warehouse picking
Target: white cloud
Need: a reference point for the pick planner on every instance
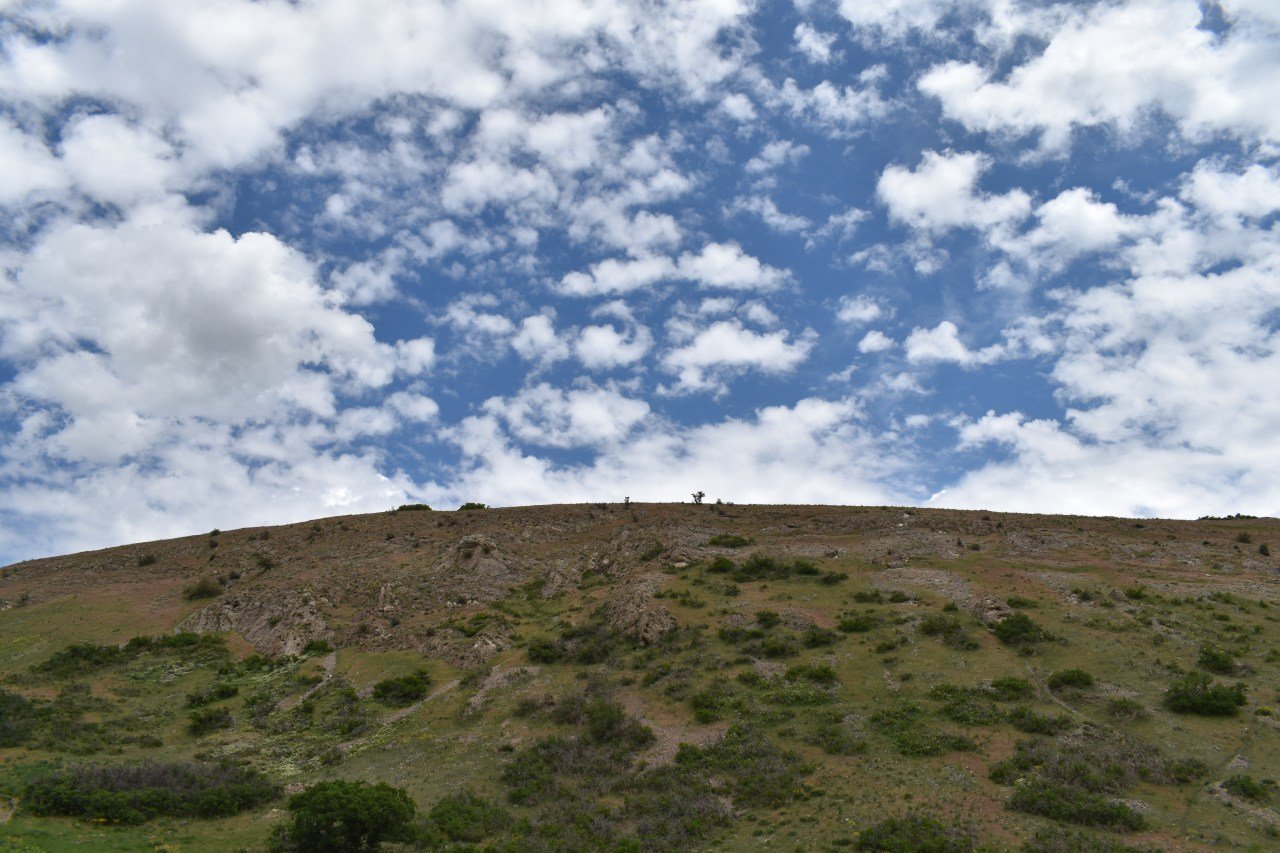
(612, 276)
(942, 344)
(1115, 63)
(726, 266)
(780, 152)
(941, 194)
(537, 340)
(604, 347)
(726, 348)
(580, 417)
(855, 310)
(813, 451)
(814, 44)
(875, 341)
(770, 215)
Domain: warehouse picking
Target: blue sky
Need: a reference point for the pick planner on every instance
(267, 261)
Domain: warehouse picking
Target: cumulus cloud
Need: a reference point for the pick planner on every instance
(727, 347)
(1114, 64)
(941, 193)
(579, 417)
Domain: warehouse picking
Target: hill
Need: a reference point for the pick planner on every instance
(653, 677)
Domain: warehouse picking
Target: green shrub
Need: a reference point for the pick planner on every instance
(767, 618)
(817, 673)
(858, 623)
(835, 738)
(209, 695)
(206, 587)
(317, 647)
(899, 597)
(402, 690)
(728, 540)
(1070, 839)
(1018, 630)
(465, 818)
(1216, 660)
(815, 638)
(868, 597)
(1017, 602)
(1077, 678)
(714, 702)
(146, 560)
(722, 565)
(470, 505)
(753, 770)
(949, 630)
(1246, 787)
(1124, 708)
(208, 720)
(413, 508)
(132, 794)
(340, 817)
(1197, 693)
(914, 834)
(1026, 720)
(1010, 689)
(17, 718)
(833, 578)
(1073, 805)
(967, 710)
(805, 568)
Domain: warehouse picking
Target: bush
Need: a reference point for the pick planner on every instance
(868, 597)
(858, 623)
(1019, 631)
(814, 637)
(1197, 693)
(1010, 689)
(1067, 839)
(470, 505)
(340, 817)
(208, 720)
(967, 710)
(835, 738)
(1073, 805)
(17, 718)
(817, 673)
(317, 647)
(728, 540)
(1246, 787)
(1026, 720)
(209, 695)
(1216, 660)
(403, 690)
(1070, 678)
(767, 618)
(1124, 708)
(914, 834)
(206, 587)
(146, 560)
(949, 630)
(833, 578)
(413, 508)
(465, 818)
(134, 794)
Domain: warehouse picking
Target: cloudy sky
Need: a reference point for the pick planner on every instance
(266, 261)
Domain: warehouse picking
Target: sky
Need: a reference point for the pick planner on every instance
(269, 261)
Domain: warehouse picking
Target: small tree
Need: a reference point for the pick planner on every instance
(698, 496)
(347, 817)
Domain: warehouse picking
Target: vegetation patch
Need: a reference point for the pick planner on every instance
(1197, 693)
(131, 794)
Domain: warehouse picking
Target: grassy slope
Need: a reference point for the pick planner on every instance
(1181, 594)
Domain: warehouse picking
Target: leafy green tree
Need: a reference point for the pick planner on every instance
(348, 817)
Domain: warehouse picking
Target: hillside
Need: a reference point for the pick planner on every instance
(672, 676)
